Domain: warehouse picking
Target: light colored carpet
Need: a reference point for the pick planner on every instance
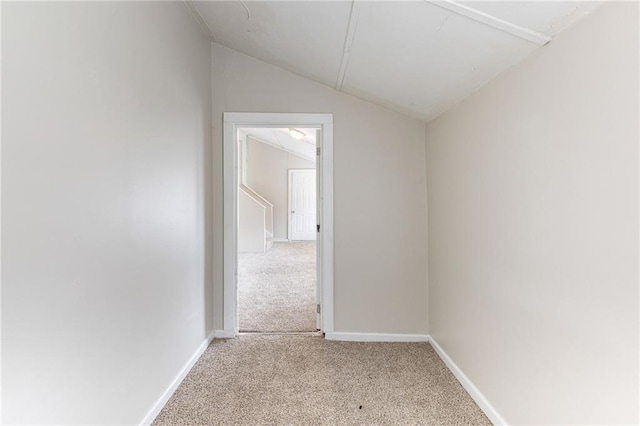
(304, 380)
(277, 289)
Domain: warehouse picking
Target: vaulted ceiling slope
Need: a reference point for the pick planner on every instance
(416, 57)
(281, 138)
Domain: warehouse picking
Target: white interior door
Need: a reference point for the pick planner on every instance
(319, 240)
(302, 205)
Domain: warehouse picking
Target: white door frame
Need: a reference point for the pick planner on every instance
(324, 166)
(289, 217)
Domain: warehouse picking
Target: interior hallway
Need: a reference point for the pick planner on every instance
(485, 198)
(303, 380)
(277, 289)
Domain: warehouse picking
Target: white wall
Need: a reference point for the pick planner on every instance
(533, 229)
(268, 175)
(251, 224)
(380, 253)
(105, 141)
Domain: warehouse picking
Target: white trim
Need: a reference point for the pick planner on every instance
(484, 404)
(492, 21)
(348, 41)
(230, 223)
(175, 383)
(234, 120)
(253, 194)
(1, 364)
(223, 334)
(376, 337)
(276, 119)
(325, 237)
(281, 240)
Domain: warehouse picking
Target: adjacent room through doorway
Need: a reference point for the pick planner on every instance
(277, 219)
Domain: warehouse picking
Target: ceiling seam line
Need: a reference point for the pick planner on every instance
(348, 41)
(492, 21)
(195, 14)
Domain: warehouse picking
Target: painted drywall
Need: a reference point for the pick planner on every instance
(379, 193)
(251, 224)
(105, 203)
(268, 175)
(533, 229)
(418, 57)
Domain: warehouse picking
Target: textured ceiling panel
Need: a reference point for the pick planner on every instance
(418, 58)
(306, 38)
(426, 59)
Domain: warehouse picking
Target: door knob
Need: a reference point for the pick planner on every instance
(293, 211)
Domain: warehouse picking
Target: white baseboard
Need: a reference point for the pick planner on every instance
(471, 389)
(160, 403)
(280, 240)
(376, 337)
(223, 334)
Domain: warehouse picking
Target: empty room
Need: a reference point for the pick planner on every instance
(320, 212)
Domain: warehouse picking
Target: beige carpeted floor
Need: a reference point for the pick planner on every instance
(277, 289)
(304, 380)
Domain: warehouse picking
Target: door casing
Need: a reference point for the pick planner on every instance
(324, 168)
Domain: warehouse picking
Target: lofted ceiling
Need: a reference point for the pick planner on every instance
(281, 138)
(416, 57)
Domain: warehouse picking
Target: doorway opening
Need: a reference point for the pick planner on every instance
(278, 245)
(277, 220)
